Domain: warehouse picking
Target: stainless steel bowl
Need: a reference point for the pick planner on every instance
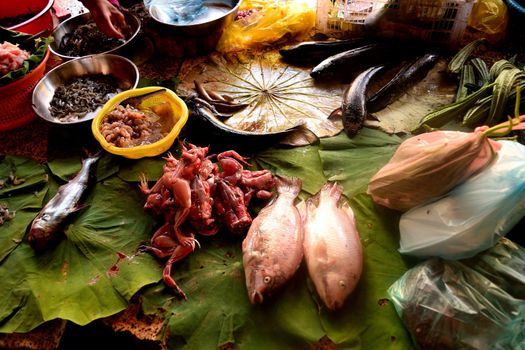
(201, 26)
(71, 24)
(120, 67)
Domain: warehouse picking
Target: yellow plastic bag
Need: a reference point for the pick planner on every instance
(263, 23)
(490, 17)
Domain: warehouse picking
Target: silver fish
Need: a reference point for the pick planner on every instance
(51, 218)
(332, 247)
(273, 248)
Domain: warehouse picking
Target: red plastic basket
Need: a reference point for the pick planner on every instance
(42, 19)
(16, 97)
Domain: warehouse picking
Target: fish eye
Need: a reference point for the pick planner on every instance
(46, 217)
(267, 279)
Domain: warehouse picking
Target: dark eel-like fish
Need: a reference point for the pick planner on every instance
(206, 124)
(353, 108)
(409, 75)
(313, 52)
(47, 226)
(346, 65)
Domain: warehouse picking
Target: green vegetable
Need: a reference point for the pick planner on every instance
(455, 110)
(38, 51)
(498, 67)
(504, 84)
(457, 62)
(478, 114)
(467, 77)
(481, 70)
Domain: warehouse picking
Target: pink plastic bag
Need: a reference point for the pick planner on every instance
(429, 165)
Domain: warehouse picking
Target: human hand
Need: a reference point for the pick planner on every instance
(108, 18)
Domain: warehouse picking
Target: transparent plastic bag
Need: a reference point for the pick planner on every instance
(263, 23)
(429, 165)
(448, 305)
(504, 265)
(474, 215)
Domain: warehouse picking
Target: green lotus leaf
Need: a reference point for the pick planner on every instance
(301, 162)
(67, 167)
(218, 312)
(28, 172)
(91, 273)
(131, 171)
(22, 200)
(24, 207)
(353, 161)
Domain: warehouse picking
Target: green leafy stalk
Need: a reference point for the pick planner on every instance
(481, 70)
(453, 111)
(504, 84)
(478, 114)
(505, 128)
(498, 67)
(467, 77)
(457, 62)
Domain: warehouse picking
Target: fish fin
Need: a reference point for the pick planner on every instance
(79, 207)
(337, 114)
(88, 154)
(289, 185)
(330, 190)
(302, 208)
(371, 116)
(348, 209)
(302, 136)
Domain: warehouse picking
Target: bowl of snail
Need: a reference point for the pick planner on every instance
(76, 90)
(79, 36)
(140, 122)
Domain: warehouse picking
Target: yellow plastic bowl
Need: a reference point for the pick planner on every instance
(179, 115)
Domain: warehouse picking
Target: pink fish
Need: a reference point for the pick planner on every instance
(332, 247)
(273, 247)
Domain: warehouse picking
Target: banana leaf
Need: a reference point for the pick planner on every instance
(91, 273)
(38, 49)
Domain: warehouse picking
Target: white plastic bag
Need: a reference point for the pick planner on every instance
(474, 215)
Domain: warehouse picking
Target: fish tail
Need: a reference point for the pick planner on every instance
(88, 154)
(289, 185)
(89, 157)
(331, 190)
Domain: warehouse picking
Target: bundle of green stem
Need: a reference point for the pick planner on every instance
(484, 97)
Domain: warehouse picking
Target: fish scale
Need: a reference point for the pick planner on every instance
(332, 247)
(50, 221)
(273, 247)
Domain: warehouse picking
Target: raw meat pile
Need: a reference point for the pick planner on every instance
(11, 57)
(195, 195)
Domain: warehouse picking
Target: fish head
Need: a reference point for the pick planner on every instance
(262, 282)
(336, 289)
(41, 231)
